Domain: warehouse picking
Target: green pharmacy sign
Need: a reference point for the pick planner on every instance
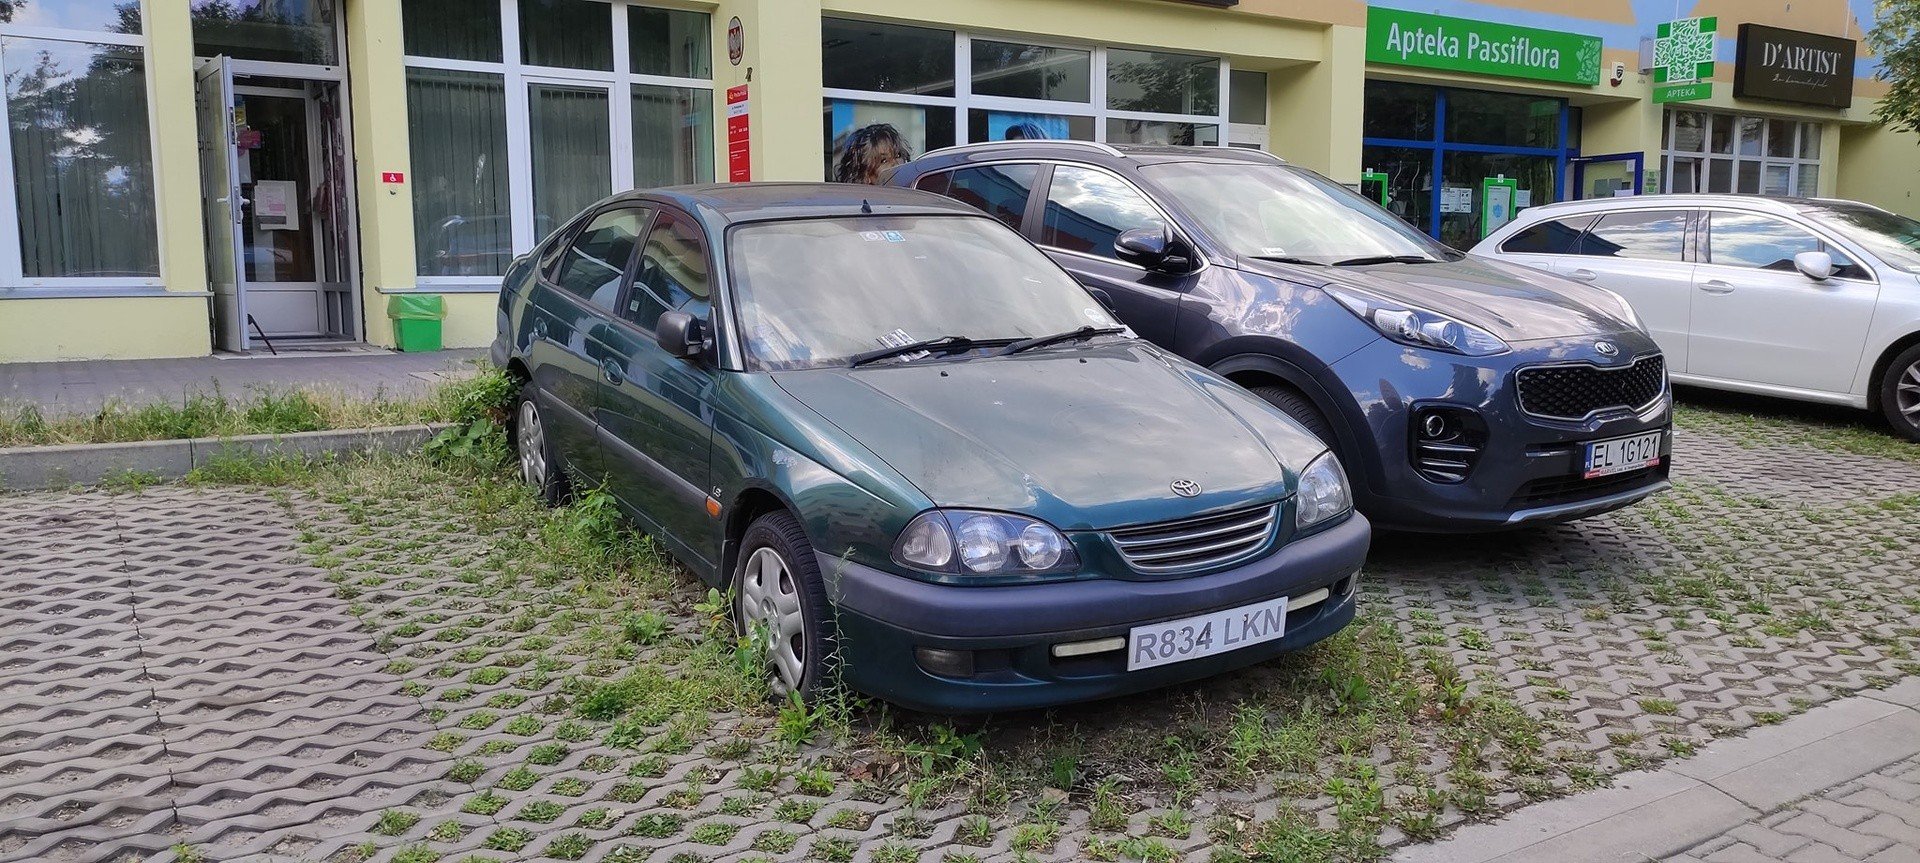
(1683, 60)
(1400, 38)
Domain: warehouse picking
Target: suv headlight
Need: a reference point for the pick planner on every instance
(1323, 493)
(1411, 325)
(970, 542)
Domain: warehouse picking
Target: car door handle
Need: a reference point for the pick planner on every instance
(610, 372)
(1716, 286)
(1583, 275)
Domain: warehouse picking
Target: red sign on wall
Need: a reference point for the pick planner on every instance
(392, 177)
(739, 160)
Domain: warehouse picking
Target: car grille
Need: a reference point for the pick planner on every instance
(1575, 392)
(1195, 543)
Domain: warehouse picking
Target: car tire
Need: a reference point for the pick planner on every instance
(1295, 404)
(780, 601)
(534, 453)
(1900, 393)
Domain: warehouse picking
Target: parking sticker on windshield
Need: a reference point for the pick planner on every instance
(870, 236)
(895, 237)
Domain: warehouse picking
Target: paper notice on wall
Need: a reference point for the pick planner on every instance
(275, 206)
(1456, 199)
(1522, 199)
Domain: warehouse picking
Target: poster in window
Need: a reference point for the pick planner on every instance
(1009, 126)
(274, 207)
(869, 138)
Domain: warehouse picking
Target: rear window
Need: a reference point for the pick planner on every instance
(1000, 191)
(1647, 235)
(1552, 237)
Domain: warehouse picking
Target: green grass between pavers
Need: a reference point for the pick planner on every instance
(1760, 422)
(603, 637)
(257, 410)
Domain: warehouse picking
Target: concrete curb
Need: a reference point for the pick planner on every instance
(1656, 814)
(44, 467)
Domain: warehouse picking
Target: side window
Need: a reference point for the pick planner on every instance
(935, 183)
(998, 190)
(1650, 235)
(1552, 237)
(1087, 210)
(593, 264)
(672, 271)
(1765, 243)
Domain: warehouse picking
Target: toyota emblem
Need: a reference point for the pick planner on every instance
(1606, 349)
(1186, 488)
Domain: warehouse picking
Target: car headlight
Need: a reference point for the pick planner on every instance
(1410, 325)
(970, 542)
(1323, 493)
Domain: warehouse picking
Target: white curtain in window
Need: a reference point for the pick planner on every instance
(572, 154)
(457, 122)
(672, 136)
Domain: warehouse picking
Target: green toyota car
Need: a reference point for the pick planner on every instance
(917, 454)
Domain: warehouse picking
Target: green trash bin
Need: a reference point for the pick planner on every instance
(416, 320)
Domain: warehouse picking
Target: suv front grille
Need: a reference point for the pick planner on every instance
(1575, 392)
(1196, 542)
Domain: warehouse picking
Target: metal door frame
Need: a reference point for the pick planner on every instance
(1579, 165)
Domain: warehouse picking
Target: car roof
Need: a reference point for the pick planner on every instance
(728, 203)
(1766, 203)
(1091, 151)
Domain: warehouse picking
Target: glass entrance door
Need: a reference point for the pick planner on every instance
(279, 240)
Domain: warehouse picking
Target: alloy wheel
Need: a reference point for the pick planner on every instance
(1907, 394)
(770, 608)
(530, 439)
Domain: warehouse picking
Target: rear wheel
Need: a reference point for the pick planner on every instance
(534, 451)
(1900, 393)
(780, 602)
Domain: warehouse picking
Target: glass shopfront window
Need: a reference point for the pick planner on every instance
(1731, 153)
(1459, 163)
(896, 91)
(510, 140)
(285, 31)
(77, 182)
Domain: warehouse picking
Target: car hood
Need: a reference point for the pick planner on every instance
(1086, 437)
(1513, 302)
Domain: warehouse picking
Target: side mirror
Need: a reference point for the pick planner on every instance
(1817, 266)
(1154, 248)
(681, 334)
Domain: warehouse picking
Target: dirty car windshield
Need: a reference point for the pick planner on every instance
(1281, 211)
(820, 291)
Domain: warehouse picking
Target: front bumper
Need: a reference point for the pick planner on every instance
(1528, 472)
(1011, 630)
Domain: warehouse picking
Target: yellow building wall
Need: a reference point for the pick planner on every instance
(1881, 168)
(118, 328)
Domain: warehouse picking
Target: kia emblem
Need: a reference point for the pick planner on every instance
(1606, 349)
(1186, 488)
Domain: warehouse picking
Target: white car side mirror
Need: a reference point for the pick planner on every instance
(1817, 266)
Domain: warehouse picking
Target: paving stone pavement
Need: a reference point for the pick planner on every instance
(260, 674)
(1872, 819)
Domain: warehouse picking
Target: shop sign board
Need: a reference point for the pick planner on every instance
(739, 154)
(1683, 60)
(1794, 66)
(1400, 38)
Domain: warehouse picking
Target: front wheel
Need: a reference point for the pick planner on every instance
(1900, 393)
(780, 603)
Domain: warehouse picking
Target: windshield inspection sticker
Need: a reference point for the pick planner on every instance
(870, 236)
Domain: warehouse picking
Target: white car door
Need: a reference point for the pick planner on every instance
(1759, 320)
(1640, 255)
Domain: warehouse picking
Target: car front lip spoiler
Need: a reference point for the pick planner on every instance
(1577, 509)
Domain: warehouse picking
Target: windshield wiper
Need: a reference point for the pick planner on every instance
(1287, 259)
(1086, 332)
(1386, 259)
(944, 344)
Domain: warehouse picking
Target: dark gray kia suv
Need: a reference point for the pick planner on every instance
(1464, 394)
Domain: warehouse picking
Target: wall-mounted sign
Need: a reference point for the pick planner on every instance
(736, 40)
(739, 155)
(1793, 66)
(1683, 60)
(1400, 38)
(392, 177)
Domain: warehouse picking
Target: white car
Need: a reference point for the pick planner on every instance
(1798, 298)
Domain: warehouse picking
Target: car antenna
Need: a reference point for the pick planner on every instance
(865, 207)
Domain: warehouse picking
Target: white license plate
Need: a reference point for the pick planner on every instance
(1620, 455)
(1206, 634)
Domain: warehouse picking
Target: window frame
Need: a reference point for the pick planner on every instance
(1037, 204)
(1795, 164)
(517, 79)
(1037, 207)
(1095, 108)
(550, 274)
(13, 277)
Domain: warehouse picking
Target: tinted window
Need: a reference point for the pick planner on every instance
(1088, 209)
(1654, 235)
(1556, 237)
(935, 183)
(592, 266)
(672, 270)
(1761, 242)
(998, 190)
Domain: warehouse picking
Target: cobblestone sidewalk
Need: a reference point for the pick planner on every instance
(1872, 819)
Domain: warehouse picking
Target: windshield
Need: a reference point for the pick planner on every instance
(1892, 238)
(821, 291)
(1276, 211)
